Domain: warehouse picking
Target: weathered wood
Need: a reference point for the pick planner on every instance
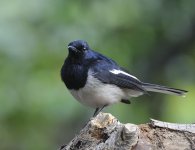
(107, 133)
(173, 126)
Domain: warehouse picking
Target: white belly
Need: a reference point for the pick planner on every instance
(97, 94)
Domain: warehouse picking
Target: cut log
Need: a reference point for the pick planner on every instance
(105, 132)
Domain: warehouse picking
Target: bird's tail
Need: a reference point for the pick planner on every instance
(163, 89)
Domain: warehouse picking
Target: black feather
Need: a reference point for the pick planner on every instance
(125, 101)
(163, 89)
(102, 72)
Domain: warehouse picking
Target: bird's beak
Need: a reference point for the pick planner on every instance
(72, 48)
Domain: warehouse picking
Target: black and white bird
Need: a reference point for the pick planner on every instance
(97, 81)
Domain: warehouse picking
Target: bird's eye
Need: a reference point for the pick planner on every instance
(84, 48)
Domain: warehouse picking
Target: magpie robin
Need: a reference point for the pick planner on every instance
(97, 81)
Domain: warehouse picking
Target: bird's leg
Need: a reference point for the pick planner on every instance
(98, 110)
(94, 115)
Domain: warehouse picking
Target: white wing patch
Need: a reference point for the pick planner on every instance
(122, 72)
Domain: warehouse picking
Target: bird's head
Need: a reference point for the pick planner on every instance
(78, 48)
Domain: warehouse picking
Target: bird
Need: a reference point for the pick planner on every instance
(98, 81)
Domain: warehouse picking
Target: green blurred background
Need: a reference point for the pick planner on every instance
(154, 40)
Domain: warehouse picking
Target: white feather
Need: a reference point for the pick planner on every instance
(114, 71)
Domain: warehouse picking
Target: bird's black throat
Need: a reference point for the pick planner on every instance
(74, 74)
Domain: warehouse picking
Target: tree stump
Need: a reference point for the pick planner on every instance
(105, 132)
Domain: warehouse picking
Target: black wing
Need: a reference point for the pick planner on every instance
(113, 74)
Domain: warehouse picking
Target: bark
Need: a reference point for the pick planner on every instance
(105, 132)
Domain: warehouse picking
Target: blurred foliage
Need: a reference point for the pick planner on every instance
(155, 40)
